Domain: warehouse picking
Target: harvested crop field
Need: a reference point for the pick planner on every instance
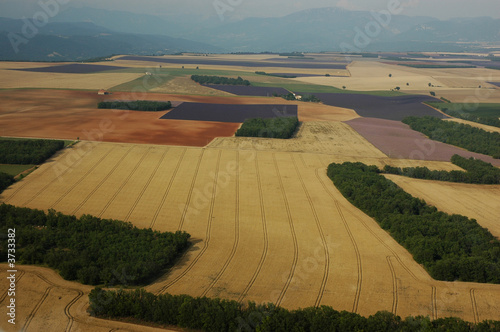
(71, 114)
(390, 108)
(238, 63)
(241, 90)
(46, 302)
(480, 202)
(266, 226)
(74, 68)
(397, 140)
(228, 112)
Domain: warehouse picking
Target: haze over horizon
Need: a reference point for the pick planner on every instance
(240, 9)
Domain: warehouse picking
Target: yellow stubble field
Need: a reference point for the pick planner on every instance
(266, 226)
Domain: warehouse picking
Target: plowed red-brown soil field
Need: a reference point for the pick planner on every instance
(68, 114)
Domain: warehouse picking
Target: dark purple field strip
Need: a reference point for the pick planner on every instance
(390, 108)
(301, 75)
(397, 140)
(495, 83)
(228, 113)
(242, 90)
(75, 68)
(256, 64)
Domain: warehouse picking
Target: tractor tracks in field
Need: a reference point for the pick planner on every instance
(102, 181)
(207, 233)
(353, 242)
(146, 185)
(68, 306)
(321, 233)
(434, 310)
(394, 286)
(58, 179)
(292, 232)
(190, 195)
(35, 309)
(75, 184)
(264, 231)
(236, 230)
(167, 190)
(475, 312)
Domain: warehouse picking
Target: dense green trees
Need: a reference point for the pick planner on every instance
(205, 79)
(27, 151)
(138, 105)
(220, 315)
(279, 127)
(5, 181)
(451, 247)
(88, 249)
(478, 172)
(464, 136)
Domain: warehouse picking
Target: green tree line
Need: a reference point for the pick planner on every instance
(28, 151)
(205, 79)
(458, 112)
(5, 181)
(478, 172)
(89, 249)
(138, 105)
(450, 247)
(215, 315)
(464, 136)
(278, 127)
(306, 98)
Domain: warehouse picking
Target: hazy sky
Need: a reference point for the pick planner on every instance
(442, 9)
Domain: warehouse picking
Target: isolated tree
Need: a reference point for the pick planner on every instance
(344, 87)
(433, 93)
(430, 84)
(407, 84)
(390, 75)
(398, 88)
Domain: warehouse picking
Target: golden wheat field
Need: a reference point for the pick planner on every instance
(480, 202)
(267, 226)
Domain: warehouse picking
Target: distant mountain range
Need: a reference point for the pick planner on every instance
(82, 33)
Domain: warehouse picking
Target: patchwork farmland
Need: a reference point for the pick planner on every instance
(267, 226)
(266, 222)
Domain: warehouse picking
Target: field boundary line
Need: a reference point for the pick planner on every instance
(167, 191)
(124, 183)
(188, 201)
(236, 230)
(394, 286)
(74, 184)
(207, 232)
(321, 234)
(102, 181)
(474, 305)
(264, 230)
(292, 231)
(146, 185)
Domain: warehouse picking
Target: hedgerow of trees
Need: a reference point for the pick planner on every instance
(215, 315)
(462, 135)
(28, 151)
(138, 105)
(450, 247)
(205, 79)
(478, 172)
(278, 127)
(5, 181)
(487, 120)
(89, 249)
(275, 75)
(306, 98)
